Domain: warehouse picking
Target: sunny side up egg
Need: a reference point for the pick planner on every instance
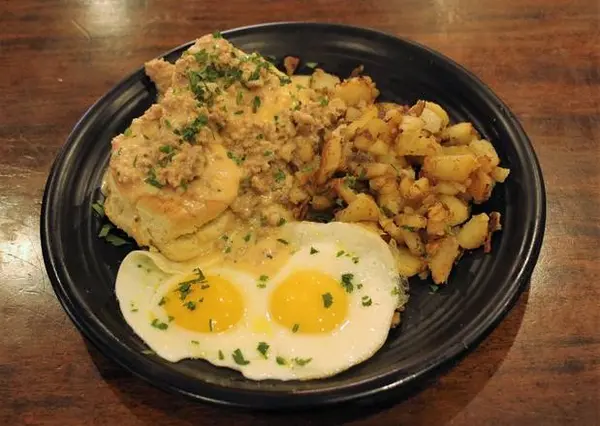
(329, 306)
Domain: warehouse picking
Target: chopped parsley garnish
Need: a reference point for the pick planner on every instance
(255, 104)
(267, 153)
(162, 301)
(366, 301)
(340, 253)
(105, 230)
(240, 112)
(295, 328)
(279, 176)
(217, 34)
(98, 208)
(311, 65)
(386, 211)
(302, 361)
(260, 136)
(191, 305)
(189, 132)
(282, 241)
(195, 342)
(313, 250)
(239, 97)
(151, 179)
(408, 228)
(170, 318)
(355, 259)
(184, 288)
(283, 80)
(115, 240)
(210, 324)
(395, 291)
(227, 249)
(221, 356)
(238, 357)
(128, 132)
(263, 278)
(262, 348)
(324, 101)
(166, 149)
(347, 282)
(281, 222)
(224, 237)
(350, 181)
(135, 161)
(235, 158)
(359, 286)
(327, 300)
(247, 237)
(280, 360)
(158, 324)
(168, 124)
(433, 288)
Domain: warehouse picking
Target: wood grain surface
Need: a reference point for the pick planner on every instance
(541, 366)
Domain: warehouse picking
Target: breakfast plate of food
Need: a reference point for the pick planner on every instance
(291, 215)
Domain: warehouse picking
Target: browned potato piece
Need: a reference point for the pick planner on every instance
(413, 241)
(455, 168)
(449, 188)
(373, 170)
(321, 202)
(290, 63)
(355, 90)
(481, 187)
(459, 134)
(458, 209)
(441, 262)
(499, 174)
(407, 263)
(410, 222)
(331, 159)
(437, 219)
(341, 188)
(435, 117)
(419, 145)
(322, 81)
(362, 208)
(473, 233)
(391, 229)
(486, 154)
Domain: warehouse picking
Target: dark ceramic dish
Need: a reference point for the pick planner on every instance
(436, 328)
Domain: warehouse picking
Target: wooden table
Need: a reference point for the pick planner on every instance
(541, 366)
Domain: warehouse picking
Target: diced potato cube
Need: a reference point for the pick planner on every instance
(473, 233)
(459, 210)
(455, 168)
(356, 90)
(442, 260)
(363, 208)
(499, 174)
(486, 154)
(322, 81)
(459, 134)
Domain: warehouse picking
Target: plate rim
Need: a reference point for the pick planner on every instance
(525, 264)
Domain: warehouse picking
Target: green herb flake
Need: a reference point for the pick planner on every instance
(327, 300)
(240, 112)
(262, 348)
(227, 249)
(239, 97)
(255, 104)
(295, 328)
(115, 240)
(162, 301)
(313, 250)
(301, 362)
(311, 65)
(355, 259)
(217, 34)
(279, 176)
(283, 80)
(280, 360)
(195, 342)
(238, 357)
(189, 132)
(98, 209)
(210, 324)
(152, 180)
(158, 324)
(191, 305)
(282, 241)
(128, 132)
(235, 158)
(395, 291)
(166, 149)
(247, 237)
(433, 288)
(408, 228)
(221, 356)
(323, 101)
(366, 301)
(340, 253)
(281, 222)
(260, 136)
(268, 153)
(170, 318)
(105, 230)
(359, 286)
(347, 282)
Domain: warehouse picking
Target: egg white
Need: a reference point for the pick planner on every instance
(364, 331)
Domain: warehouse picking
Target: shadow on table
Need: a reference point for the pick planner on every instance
(435, 401)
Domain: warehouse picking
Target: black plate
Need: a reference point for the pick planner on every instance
(436, 327)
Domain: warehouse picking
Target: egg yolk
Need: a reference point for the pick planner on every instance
(208, 304)
(309, 302)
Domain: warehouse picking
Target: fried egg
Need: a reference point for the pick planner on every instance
(327, 308)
